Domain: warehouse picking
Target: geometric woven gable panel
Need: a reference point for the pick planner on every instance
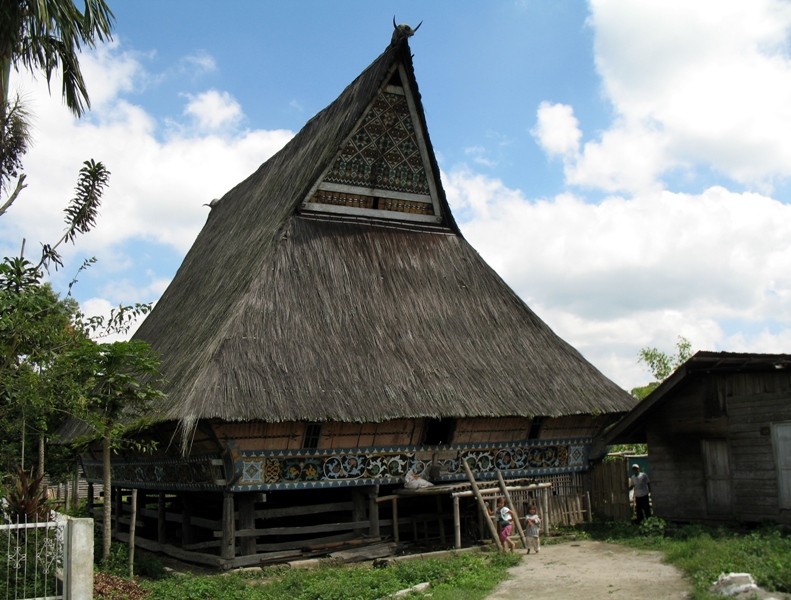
(383, 153)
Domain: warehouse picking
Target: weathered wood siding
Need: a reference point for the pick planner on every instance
(755, 402)
(469, 431)
(403, 432)
(574, 426)
(674, 434)
(739, 410)
(290, 435)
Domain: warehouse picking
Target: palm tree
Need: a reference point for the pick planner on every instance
(47, 35)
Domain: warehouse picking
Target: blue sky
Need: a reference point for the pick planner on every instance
(623, 165)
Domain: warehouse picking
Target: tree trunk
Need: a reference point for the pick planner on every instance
(40, 455)
(107, 529)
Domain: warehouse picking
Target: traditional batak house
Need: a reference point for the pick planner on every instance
(719, 439)
(331, 331)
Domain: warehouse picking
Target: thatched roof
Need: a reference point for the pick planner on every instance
(285, 312)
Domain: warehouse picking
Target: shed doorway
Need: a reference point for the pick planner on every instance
(719, 495)
(781, 440)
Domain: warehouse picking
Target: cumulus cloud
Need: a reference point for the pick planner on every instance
(160, 177)
(615, 276)
(693, 85)
(557, 130)
(214, 110)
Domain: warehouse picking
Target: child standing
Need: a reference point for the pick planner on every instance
(532, 524)
(505, 523)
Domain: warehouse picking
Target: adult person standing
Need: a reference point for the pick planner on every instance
(642, 488)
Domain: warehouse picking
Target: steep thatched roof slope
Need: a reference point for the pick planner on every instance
(281, 314)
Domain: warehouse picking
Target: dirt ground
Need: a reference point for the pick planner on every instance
(593, 570)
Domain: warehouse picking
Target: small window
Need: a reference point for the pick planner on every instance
(535, 428)
(438, 431)
(312, 435)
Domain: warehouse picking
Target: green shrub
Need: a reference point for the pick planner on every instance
(146, 564)
(653, 527)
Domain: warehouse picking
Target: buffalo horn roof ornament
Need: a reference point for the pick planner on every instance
(402, 32)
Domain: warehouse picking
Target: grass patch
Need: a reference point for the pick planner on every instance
(469, 575)
(705, 552)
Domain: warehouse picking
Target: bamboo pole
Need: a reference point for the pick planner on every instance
(512, 508)
(495, 491)
(482, 506)
(545, 503)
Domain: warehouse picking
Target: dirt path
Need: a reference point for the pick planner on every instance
(593, 570)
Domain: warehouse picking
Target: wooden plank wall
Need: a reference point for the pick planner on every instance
(610, 490)
(738, 409)
(258, 436)
(573, 426)
(754, 473)
(674, 431)
(514, 429)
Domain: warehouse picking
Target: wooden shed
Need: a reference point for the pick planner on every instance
(331, 330)
(719, 439)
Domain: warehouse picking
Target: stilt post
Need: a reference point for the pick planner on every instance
(228, 550)
(247, 521)
(132, 529)
(373, 512)
(395, 520)
(456, 523)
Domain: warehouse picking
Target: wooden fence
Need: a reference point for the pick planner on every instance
(610, 489)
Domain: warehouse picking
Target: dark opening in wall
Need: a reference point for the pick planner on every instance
(438, 431)
(312, 435)
(535, 428)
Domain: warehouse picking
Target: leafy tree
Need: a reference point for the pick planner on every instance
(35, 326)
(662, 365)
(113, 398)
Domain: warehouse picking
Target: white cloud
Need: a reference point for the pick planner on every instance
(623, 274)
(478, 154)
(214, 110)
(159, 179)
(557, 130)
(692, 84)
(199, 62)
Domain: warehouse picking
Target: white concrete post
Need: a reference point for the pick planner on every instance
(78, 559)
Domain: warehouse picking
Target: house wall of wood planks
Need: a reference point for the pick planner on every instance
(403, 432)
(711, 449)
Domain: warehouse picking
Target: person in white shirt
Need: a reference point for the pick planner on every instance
(642, 488)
